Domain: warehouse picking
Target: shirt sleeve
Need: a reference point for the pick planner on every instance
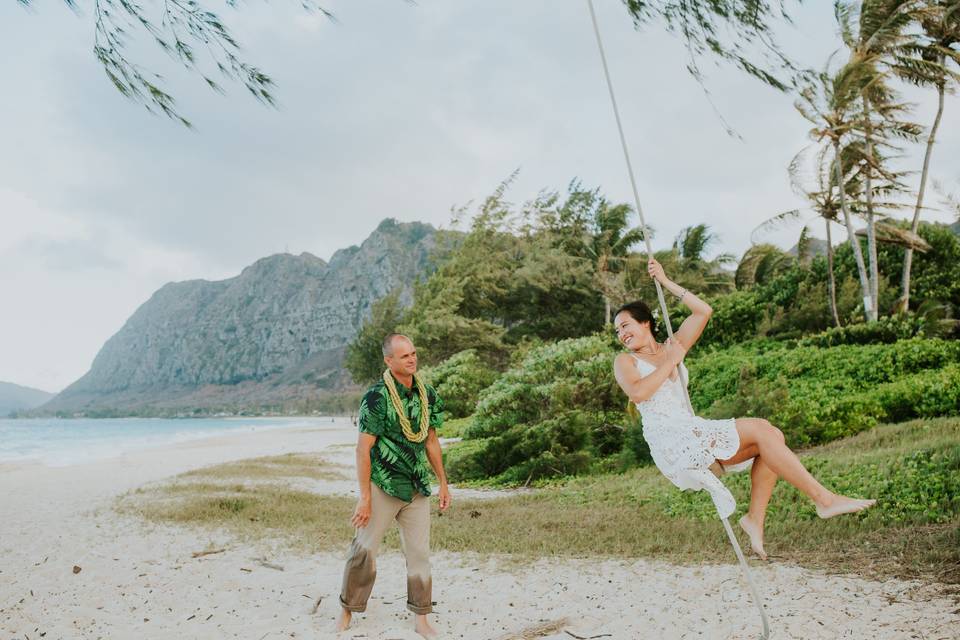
(372, 413)
(436, 410)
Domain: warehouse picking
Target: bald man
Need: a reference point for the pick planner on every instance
(394, 478)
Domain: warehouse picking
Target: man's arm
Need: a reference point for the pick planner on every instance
(435, 456)
(361, 515)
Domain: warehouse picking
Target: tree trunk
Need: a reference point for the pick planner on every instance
(903, 304)
(606, 309)
(852, 236)
(832, 283)
(871, 226)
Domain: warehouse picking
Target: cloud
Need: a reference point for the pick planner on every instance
(396, 110)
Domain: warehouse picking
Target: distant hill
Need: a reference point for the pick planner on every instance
(273, 335)
(818, 247)
(13, 397)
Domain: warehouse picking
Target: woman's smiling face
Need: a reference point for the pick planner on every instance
(630, 332)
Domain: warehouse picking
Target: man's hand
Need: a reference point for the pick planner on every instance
(361, 515)
(444, 496)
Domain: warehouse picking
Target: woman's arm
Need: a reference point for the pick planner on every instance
(691, 328)
(640, 388)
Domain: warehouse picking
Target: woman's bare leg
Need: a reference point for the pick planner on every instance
(785, 463)
(763, 479)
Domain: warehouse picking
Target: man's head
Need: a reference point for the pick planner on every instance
(400, 355)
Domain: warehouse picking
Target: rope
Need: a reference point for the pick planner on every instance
(636, 194)
(663, 302)
(746, 574)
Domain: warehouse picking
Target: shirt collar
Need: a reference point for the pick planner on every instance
(402, 389)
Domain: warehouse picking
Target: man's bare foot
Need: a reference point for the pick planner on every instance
(343, 621)
(756, 536)
(842, 504)
(422, 626)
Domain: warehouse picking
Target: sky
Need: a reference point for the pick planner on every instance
(396, 109)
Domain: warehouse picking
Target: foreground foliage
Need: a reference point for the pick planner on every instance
(559, 411)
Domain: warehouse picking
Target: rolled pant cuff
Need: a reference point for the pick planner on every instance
(420, 610)
(353, 608)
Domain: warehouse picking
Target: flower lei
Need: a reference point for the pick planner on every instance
(408, 432)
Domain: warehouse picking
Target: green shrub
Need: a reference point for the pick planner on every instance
(460, 460)
(886, 330)
(560, 411)
(816, 395)
(554, 413)
(635, 450)
(454, 427)
(566, 375)
(459, 380)
(528, 452)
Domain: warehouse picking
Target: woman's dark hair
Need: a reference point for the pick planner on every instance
(640, 312)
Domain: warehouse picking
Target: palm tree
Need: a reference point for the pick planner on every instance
(877, 34)
(823, 196)
(607, 244)
(931, 65)
(827, 102)
(688, 264)
(824, 200)
(760, 264)
(585, 225)
(691, 245)
(688, 260)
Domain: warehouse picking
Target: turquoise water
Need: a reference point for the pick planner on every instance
(58, 442)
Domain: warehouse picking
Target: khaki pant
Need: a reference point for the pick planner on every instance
(361, 569)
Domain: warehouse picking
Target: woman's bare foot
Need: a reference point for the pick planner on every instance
(343, 621)
(422, 626)
(756, 535)
(839, 505)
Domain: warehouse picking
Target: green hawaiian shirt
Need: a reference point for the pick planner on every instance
(398, 466)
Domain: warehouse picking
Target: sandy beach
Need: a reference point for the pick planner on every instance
(139, 580)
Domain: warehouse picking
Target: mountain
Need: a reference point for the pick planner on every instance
(274, 335)
(818, 247)
(13, 397)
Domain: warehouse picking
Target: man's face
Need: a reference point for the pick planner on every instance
(403, 361)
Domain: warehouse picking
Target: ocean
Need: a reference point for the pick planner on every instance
(60, 442)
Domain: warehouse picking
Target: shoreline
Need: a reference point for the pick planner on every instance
(101, 449)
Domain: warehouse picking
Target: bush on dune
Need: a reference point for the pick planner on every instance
(459, 380)
(559, 411)
(816, 395)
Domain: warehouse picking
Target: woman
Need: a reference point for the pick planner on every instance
(684, 445)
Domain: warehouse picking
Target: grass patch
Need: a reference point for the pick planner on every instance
(454, 427)
(290, 465)
(914, 532)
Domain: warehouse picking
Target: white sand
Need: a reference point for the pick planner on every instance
(139, 581)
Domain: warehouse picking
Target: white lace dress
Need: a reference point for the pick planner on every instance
(684, 445)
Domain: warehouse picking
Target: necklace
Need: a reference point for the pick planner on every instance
(652, 352)
(408, 431)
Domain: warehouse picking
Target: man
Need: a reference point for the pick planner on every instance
(398, 418)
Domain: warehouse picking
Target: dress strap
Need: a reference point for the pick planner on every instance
(641, 360)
